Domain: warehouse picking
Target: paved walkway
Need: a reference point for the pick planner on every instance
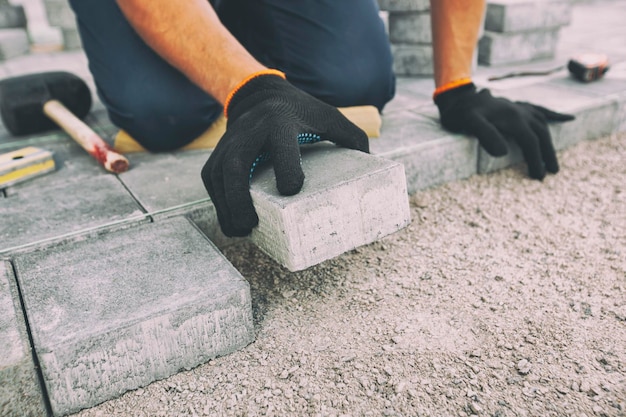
(92, 260)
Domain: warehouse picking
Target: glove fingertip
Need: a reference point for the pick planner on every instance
(496, 149)
(243, 220)
(537, 173)
(562, 117)
(552, 168)
(290, 185)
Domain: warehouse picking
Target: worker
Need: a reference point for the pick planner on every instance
(278, 69)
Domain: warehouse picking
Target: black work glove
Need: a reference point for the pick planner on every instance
(491, 119)
(268, 116)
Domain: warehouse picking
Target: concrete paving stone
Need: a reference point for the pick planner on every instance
(595, 117)
(20, 393)
(430, 155)
(71, 39)
(116, 313)
(603, 87)
(72, 61)
(80, 195)
(525, 15)
(13, 42)
(412, 59)
(41, 34)
(510, 48)
(165, 180)
(410, 27)
(405, 100)
(420, 87)
(60, 13)
(9, 142)
(45, 37)
(404, 5)
(337, 209)
(412, 93)
(620, 122)
(12, 16)
(170, 183)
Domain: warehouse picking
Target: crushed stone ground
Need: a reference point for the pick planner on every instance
(504, 297)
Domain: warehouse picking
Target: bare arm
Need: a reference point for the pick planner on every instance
(455, 26)
(189, 35)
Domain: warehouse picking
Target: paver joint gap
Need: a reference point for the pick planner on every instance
(33, 350)
(134, 197)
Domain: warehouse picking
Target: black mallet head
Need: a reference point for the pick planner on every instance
(22, 99)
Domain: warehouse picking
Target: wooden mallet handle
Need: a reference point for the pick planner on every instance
(86, 137)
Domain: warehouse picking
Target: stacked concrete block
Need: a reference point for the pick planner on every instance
(410, 36)
(13, 42)
(43, 37)
(61, 15)
(518, 31)
(13, 35)
(20, 394)
(11, 16)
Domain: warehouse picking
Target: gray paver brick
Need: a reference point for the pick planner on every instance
(620, 122)
(79, 195)
(430, 155)
(12, 16)
(118, 312)
(524, 15)
(20, 394)
(336, 211)
(410, 27)
(504, 48)
(60, 13)
(161, 181)
(13, 42)
(404, 100)
(411, 59)
(71, 39)
(171, 183)
(600, 88)
(404, 5)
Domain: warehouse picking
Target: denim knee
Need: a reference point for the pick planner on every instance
(163, 122)
(371, 85)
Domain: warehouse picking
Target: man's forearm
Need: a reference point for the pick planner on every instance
(190, 36)
(455, 27)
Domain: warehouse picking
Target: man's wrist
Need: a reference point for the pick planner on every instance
(451, 85)
(246, 81)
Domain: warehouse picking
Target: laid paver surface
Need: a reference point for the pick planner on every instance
(133, 306)
(20, 393)
(59, 221)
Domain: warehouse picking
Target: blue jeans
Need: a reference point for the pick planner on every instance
(336, 50)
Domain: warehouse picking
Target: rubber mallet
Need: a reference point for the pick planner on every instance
(38, 102)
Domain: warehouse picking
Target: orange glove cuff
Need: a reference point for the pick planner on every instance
(246, 80)
(451, 85)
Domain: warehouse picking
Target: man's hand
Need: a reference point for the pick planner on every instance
(268, 114)
(492, 119)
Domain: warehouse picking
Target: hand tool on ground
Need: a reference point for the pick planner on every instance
(588, 67)
(36, 102)
(24, 164)
(583, 67)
